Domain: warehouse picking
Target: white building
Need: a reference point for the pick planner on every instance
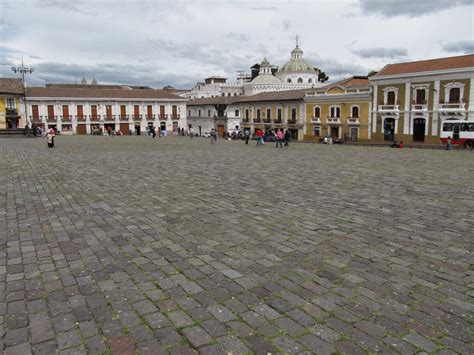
(214, 86)
(83, 109)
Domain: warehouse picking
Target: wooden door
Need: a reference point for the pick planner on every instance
(136, 112)
(80, 112)
(65, 112)
(220, 130)
(149, 112)
(108, 111)
(419, 129)
(81, 129)
(162, 111)
(124, 128)
(94, 112)
(123, 112)
(174, 111)
(35, 111)
(50, 112)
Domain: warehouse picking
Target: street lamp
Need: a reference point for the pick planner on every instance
(24, 70)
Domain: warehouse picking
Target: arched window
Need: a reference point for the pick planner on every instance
(289, 80)
(310, 80)
(300, 81)
(355, 112)
(454, 95)
(317, 112)
(391, 98)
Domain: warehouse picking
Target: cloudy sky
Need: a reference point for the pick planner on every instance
(178, 42)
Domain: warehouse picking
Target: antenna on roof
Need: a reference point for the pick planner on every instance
(297, 37)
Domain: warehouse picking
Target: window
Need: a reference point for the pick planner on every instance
(189, 113)
(269, 113)
(420, 96)
(229, 94)
(279, 114)
(10, 103)
(300, 81)
(288, 80)
(258, 114)
(391, 98)
(335, 112)
(317, 130)
(454, 95)
(317, 112)
(310, 80)
(293, 114)
(355, 112)
(199, 113)
(247, 114)
(236, 113)
(447, 127)
(208, 113)
(467, 127)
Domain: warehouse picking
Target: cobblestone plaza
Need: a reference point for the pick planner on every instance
(133, 244)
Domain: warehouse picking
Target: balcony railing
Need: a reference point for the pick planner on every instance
(163, 117)
(452, 107)
(256, 120)
(353, 120)
(36, 118)
(109, 117)
(419, 107)
(245, 120)
(290, 121)
(333, 120)
(11, 112)
(277, 121)
(388, 108)
(66, 118)
(95, 117)
(175, 117)
(123, 117)
(316, 119)
(150, 117)
(137, 117)
(267, 120)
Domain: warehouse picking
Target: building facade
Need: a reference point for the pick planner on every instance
(86, 109)
(12, 112)
(340, 110)
(412, 100)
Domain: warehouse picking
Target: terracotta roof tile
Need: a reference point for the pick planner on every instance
(11, 86)
(264, 96)
(464, 61)
(101, 93)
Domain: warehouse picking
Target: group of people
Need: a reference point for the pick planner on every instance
(261, 137)
(395, 144)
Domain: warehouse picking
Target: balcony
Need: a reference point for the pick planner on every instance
(389, 108)
(137, 117)
(36, 118)
(256, 120)
(277, 121)
(66, 118)
(123, 117)
(451, 107)
(292, 121)
(246, 120)
(333, 120)
(419, 107)
(353, 120)
(95, 117)
(52, 118)
(11, 112)
(267, 121)
(316, 119)
(109, 117)
(150, 117)
(81, 117)
(163, 117)
(175, 117)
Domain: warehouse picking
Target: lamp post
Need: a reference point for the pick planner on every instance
(24, 70)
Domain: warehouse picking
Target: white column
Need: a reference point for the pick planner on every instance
(470, 104)
(406, 115)
(434, 122)
(87, 112)
(374, 113)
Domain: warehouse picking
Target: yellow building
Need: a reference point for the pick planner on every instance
(412, 100)
(11, 96)
(340, 110)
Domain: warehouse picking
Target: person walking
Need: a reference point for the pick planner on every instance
(50, 138)
(191, 132)
(287, 138)
(279, 138)
(212, 135)
(259, 135)
(449, 143)
(247, 136)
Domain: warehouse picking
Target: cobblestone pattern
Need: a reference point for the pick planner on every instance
(130, 244)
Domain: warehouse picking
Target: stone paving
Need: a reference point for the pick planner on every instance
(173, 245)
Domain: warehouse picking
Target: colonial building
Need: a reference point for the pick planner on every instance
(339, 110)
(412, 100)
(11, 104)
(82, 109)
